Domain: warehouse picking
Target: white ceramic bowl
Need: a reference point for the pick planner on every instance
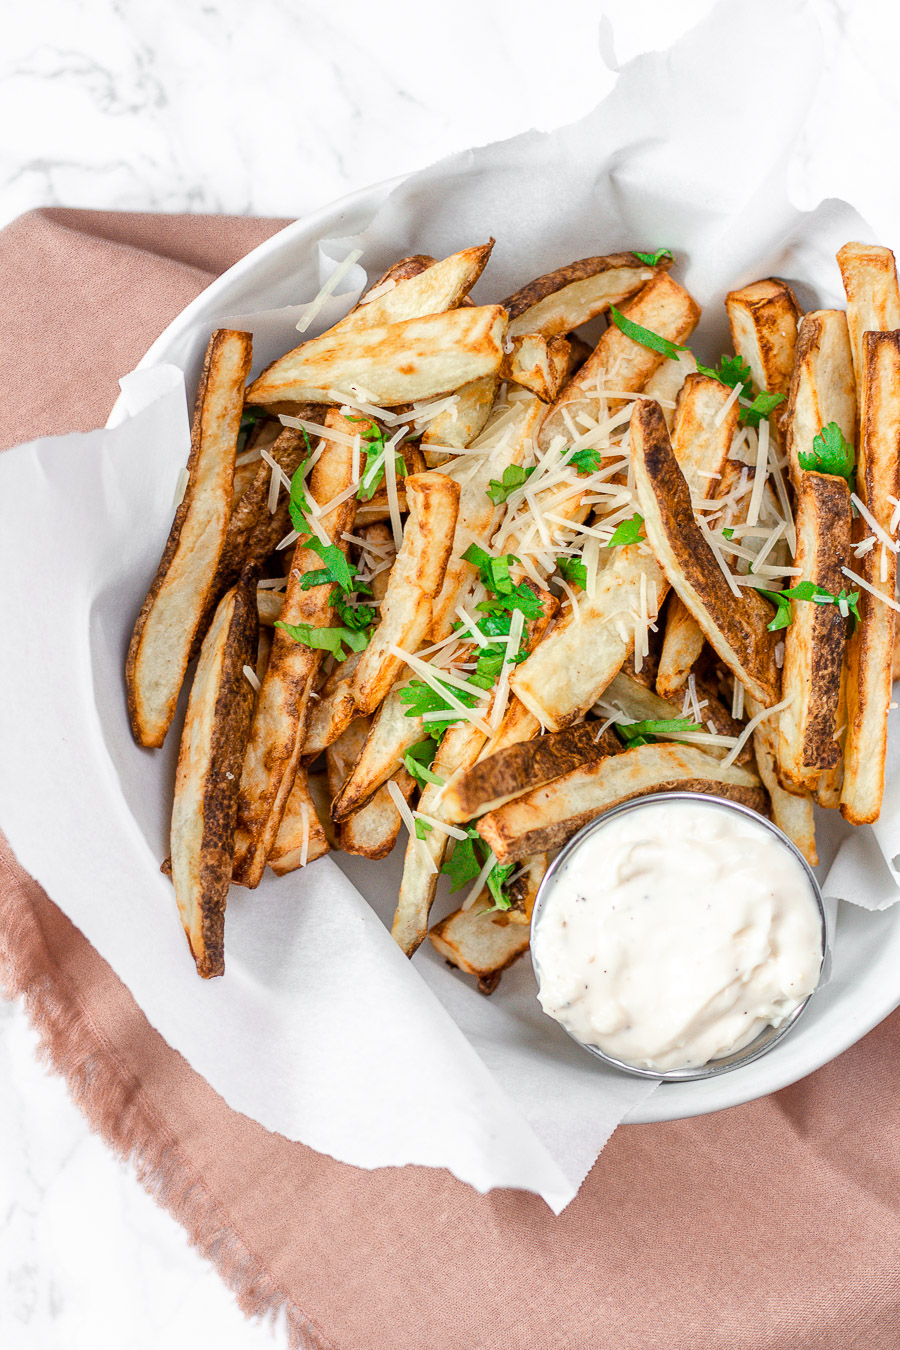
(864, 984)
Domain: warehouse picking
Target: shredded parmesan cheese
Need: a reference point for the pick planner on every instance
(304, 826)
(251, 677)
(311, 310)
(453, 831)
(181, 483)
(409, 821)
(751, 727)
(480, 881)
(870, 520)
(886, 599)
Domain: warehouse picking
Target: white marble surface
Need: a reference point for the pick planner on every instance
(275, 107)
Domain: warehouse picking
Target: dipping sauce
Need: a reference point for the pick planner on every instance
(674, 933)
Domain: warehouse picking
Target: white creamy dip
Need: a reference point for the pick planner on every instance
(674, 933)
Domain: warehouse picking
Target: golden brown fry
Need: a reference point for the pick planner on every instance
(171, 615)
(279, 723)
(869, 274)
(823, 388)
(545, 818)
(370, 832)
(206, 783)
(537, 363)
(402, 270)
(572, 295)
(483, 941)
(792, 813)
(390, 363)
(666, 383)
(870, 650)
(301, 837)
(763, 318)
(681, 648)
(419, 291)
(458, 426)
(416, 578)
(814, 642)
(735, 627)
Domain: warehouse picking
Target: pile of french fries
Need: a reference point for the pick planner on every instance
(450, 569)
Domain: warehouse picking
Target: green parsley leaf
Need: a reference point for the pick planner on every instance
(249, 417)
(418, 760)
(326, 639)
(639, 733)
(422, 698)
(586, 461)
(645, 336)
(627, 531)
(497, 878)
(373, 443)
(358, 617)
(336, 569)
(513, 477)
(299, 502)
(573, 569)
(464, 864)
(806, 590)
(831, 453)
(762, 406)
(651, 259)
(423, 829)
(494, 572)
(728, 532)
(731, 371)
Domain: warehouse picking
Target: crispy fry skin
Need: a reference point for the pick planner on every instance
(572, 295)
(792, 813)
(506, 437)
(423, 287)
(371, 831)
(457, 427)
(492, 782)
(537, 363)
(735, 628)
(663, 306)
(569, 671)
(482, 941)
(389, 363)
(869, 274)
(171, 615)
(823, 388)
(416, 578)
(870, 650)
(763, 318)
(206, 783)
(545, 818)
(300, 819)
(814, 643)
(279, 723)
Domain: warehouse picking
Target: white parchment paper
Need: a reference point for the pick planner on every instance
(320, 1028)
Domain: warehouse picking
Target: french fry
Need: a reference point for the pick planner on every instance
(823, 388)
(573, 295)
(666, 383)
(301, 837)
(735, 627)
(791, 811)
(176, 603)
(537, 363)
(402, 270)
(763, 318)
(458, 426)
(433, 289)
(483, 941)
(814, 642)
(505, 439)
(641, 703)
(392, 734)
(206, 782)
(569, 670)
(681, 648)
(279, 722)
(370, 832)
(544, 819)
(416, 578)
(869, 274)
(390, 363)
(870, 650)
(492, 782)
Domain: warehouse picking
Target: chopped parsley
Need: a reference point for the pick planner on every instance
(627, 531)
(513, 477)
(358, 617)
(418, 760)
(728, 532)
(573, 569)
(249, 419)
(763, 405)
(337, 568)
(640, 733)
(466, 861)
(373, 443)
(732, 371)
(586, 461)
(298, 504)
(806, 590)
(651, 259)
(831, 453)
(422, 699)
(645, 336)
(494, 572)
(423, 829)
(326, 639)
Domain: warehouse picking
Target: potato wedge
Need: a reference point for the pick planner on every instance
(869, 274)
(545, 818)
(792, 812)
(666, 384)
(390, 363)
(372, 831)
(433, 289)
(870, 650)
(573, 295)
(537, 363)
(416, 578)
(639, 702)
(681, 648)
(176, 603)
(457, 427)
(814, 643)
(736, 628)
(823, 387)
(402, 270)
(206, 781)
(763, 318)
(301, 837)
(482, 941)
(518, 768)
(665, 308)
(279, 722)
(392, 733)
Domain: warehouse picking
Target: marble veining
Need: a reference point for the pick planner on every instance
(276, 107)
